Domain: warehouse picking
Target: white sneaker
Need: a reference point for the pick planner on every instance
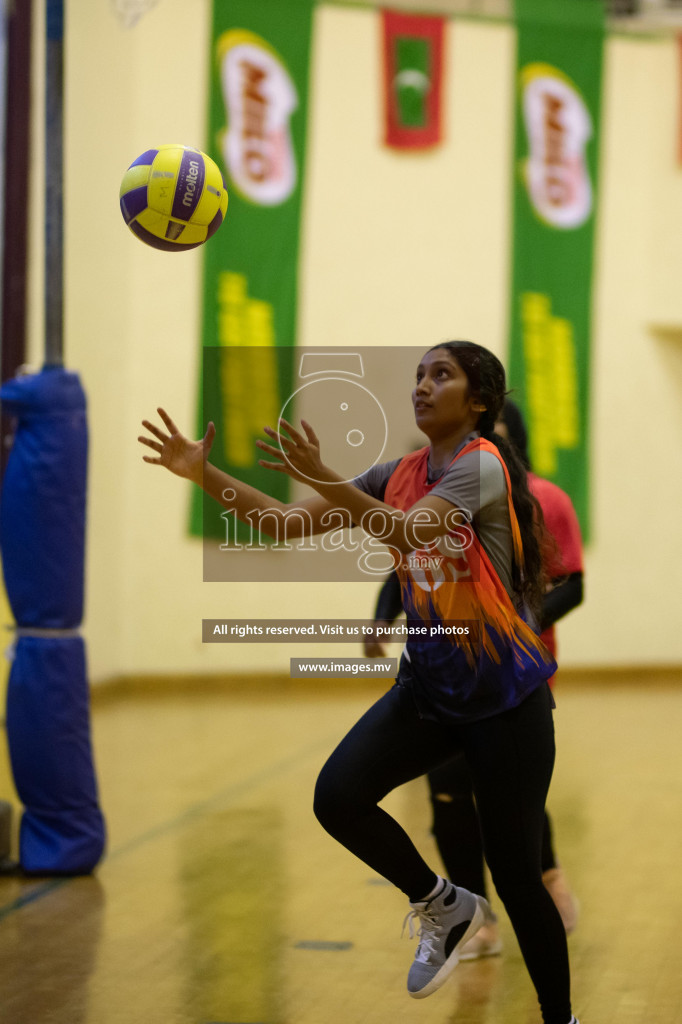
(446, 923)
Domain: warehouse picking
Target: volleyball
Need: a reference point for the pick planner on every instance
(173, 197)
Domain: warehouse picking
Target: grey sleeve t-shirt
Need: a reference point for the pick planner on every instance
(476, 484)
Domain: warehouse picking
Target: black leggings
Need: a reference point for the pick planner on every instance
(511, 757)
(456, 829)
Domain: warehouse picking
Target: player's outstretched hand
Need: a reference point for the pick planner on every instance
(174, 451)
(298, 454)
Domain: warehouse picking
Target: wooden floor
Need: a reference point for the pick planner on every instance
(221, 901)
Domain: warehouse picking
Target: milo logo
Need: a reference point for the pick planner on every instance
(260, 99)
(558, 126)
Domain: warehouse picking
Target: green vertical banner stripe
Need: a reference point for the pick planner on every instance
(558, 80)
(260, 55)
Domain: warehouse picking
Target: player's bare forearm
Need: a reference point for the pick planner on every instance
(297, 454)
(271, 516)
(236, 495)
(403, 531)
(336, 505)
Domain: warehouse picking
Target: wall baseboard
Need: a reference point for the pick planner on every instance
(154, 685)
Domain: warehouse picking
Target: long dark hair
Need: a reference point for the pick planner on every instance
(487, 385)
(512, 418)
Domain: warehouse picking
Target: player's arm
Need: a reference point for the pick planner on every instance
(565, 565)
(248, 504)
(298, 456)
(189, 460)
(565, 595)
(339, 503)
(388, 607)
(389, 603)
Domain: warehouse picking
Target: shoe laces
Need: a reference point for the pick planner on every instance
(427, 931)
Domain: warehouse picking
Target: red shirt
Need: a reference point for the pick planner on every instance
(562, 524)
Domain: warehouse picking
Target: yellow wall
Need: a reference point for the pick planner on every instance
(397, 250)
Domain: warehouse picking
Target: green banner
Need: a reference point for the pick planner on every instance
(559, 71)
(257, 123)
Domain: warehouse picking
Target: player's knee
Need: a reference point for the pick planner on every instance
(330, 800)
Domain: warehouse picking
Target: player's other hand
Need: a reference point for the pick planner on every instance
(372, 647)
(297, 454)
(173, 450)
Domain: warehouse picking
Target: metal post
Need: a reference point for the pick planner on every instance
(17, 131)
(54, 191)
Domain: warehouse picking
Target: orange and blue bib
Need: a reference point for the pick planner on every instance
(470, 653)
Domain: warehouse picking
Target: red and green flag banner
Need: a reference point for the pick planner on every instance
(413, 79)
(558, 77)
(260, 55)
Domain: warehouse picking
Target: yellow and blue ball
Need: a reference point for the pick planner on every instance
(173, 198)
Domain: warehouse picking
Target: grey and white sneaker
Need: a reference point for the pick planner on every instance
(445, 923)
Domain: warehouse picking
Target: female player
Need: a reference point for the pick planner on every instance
(455, 821)
(459, 520)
